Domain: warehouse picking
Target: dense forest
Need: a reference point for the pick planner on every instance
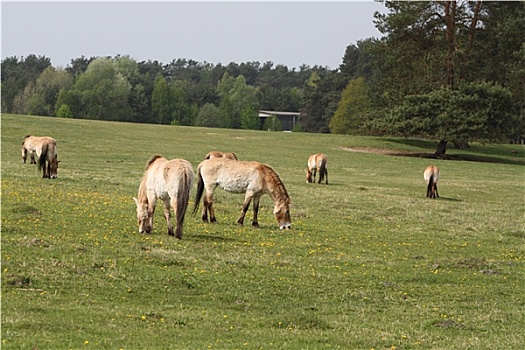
(444, 70)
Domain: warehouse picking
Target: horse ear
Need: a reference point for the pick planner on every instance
(135, 200)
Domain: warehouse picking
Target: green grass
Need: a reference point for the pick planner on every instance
(369, 264)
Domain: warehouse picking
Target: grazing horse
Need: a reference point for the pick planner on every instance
(431, 176)
(169, 180)
(46, 152)
(217, 154)
(317, 162)
(252, 178)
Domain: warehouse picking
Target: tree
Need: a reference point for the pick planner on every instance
(321, 95)
(160, 101)
(17, 74)
(46, 89)
(351, 114)
(64, 112)
(272, 124)
(250, 119)
(237, 98)
(473, 112)
(209, 116)
(100, 93)
(426, 45)
(182, 111)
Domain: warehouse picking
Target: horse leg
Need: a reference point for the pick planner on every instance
(152, 201)
(314, 172)
(245, 206)
(167, 215)
(326, 174)
(204, 216)
(436, 189)
(208, 205)
(255, 222)
(24, 155)
(45, 170)
(48, 168)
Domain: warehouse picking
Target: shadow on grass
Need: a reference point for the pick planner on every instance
(458, 157)
(461, 157)
(211, 238)
(448, 199)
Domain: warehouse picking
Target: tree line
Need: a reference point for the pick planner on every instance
(445, 70)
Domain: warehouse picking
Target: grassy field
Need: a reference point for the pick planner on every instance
(370, 263)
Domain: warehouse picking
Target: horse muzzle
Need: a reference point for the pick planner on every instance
(285, 226)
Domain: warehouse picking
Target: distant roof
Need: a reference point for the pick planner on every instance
(270, 113)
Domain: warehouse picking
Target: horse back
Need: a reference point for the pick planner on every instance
(231, 175)
(217, 154)
(431, 172)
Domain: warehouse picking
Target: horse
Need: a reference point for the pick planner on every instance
(252, 178)
(46, 151)
(169, 180)
(317, 162)
(431, 176)
(217, 154)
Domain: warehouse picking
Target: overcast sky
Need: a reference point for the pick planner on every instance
(289, 33)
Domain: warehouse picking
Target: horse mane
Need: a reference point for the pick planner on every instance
(277, 180)
(153, 159)
(25, 137)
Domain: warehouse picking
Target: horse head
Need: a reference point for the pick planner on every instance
(282, 214)
(143, 216)
(53, 167)
(308, 176)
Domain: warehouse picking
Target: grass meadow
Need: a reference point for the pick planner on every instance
(370, 262)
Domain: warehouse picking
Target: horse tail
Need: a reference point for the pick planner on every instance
(322, 170)
(182, 200)
(430, 185)
(200, 190)
(42, 158)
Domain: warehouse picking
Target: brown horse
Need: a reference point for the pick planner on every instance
(252, 178)
(46, 151)
(169, 180)
(317, 162)
(217, 154)
(431, 176)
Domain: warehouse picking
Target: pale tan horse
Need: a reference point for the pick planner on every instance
(252, 178)
(171, 181)
(317, 163)
(217, 154)
(46, 151)
(431, 176)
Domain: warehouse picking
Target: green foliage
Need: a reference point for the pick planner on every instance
(351, 114)
(250, 119)
(64, 112)
(160, 100)
(211, 116)
(370, 263)
(100, 93)
(272, 124)
(474, 112)
(17, 74)
(321, 96)
(237, 100)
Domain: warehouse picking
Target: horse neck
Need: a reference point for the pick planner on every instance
(142, 195)
(276, 188)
